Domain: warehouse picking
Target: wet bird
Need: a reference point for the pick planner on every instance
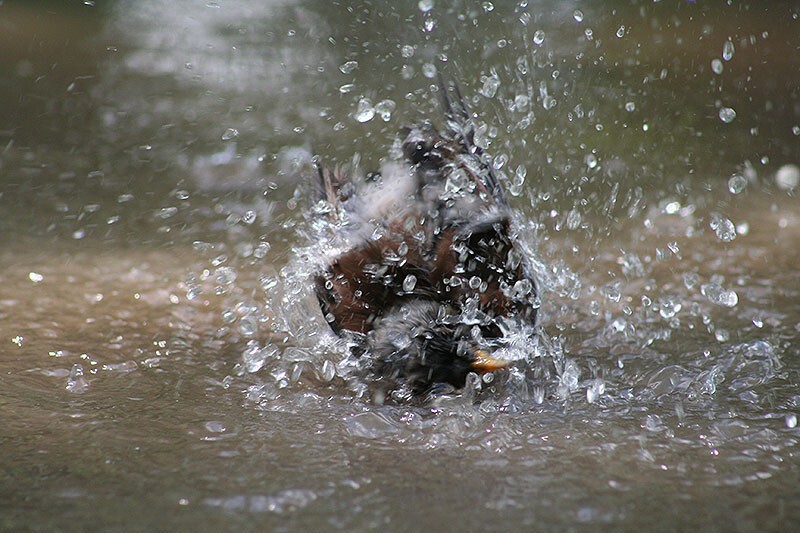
(428, 275)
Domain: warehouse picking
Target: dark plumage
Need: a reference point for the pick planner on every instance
(429, 269)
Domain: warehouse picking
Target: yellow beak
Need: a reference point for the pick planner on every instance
(483, 363)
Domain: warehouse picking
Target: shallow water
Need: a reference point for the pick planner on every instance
(162, 369)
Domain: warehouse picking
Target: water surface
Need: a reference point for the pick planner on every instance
(162, 366)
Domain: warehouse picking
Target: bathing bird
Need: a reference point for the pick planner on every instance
(427, 274)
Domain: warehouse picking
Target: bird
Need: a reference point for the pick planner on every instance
(427, 274)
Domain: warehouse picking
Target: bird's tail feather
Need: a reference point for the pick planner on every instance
(461, 128)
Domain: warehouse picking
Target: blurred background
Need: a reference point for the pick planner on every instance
(162, 367)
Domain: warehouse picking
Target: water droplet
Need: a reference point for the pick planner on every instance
(788, 177)
(723, 227)
(737, 183)
(193, 293)
(346, 88)
(669, 307)
(796, 131)
(254, 357)
(35, 277)
(230, 133)
(499, 161)
(722, 335)
(429, 70)
(727, 50)
(570, 376)
(515, 187)
(268, 283)
(630, 107)
(482, 139)
(611, 291)
(672, 208)
(409, 283)
(674, 248)
(573, 219)
(727, 114)
(620, 32)
(538, 394)
(717, 66)
(364, 112)
(595, 390)
(548, 102)
(425, 5)
(791, 420)
(591, 160)
(348, 67)
(407, 51)
(653, 423)
(589, 34)
(228, 316)
(328, 370)
(201, 246)
(488, 7)
(577, 15)
(407, 72)
(167, 212)
(261, 250)
(225, 275)
(215, 426)
(719, 295)
(384, 108)
(490, 86)
(538, 37)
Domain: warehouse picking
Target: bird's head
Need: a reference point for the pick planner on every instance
(420, 345)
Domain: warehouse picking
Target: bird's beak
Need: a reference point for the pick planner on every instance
(483, 363)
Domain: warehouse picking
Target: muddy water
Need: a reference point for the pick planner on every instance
(162, 367)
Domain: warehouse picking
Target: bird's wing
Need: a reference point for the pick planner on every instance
(362, 283)
(489, 265)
